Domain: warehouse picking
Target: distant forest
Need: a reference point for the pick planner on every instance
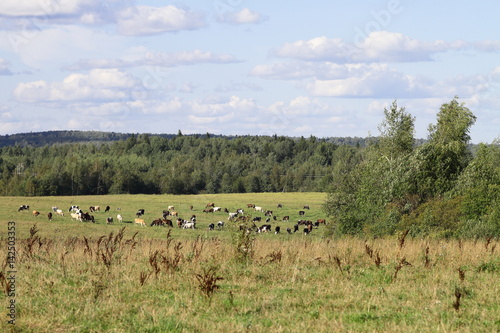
(95, 163)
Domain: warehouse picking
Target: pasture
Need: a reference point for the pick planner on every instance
(121, 277)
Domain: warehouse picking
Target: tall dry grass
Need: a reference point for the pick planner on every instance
(118, 282)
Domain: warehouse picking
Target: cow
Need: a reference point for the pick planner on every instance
(168, 223)
(119, 218)
(286, 218)
(59, 212)
(269, 213)
(208, 210)
(189, 225)
(250, 206)
(109, 220)
(211, 226)
(107, 209)
(36, 213)
(76, 216)
(54, 209)
(264, 228)
(174, 214)
(306, 207)
(220, 224)
(306, 231)
(232, 216)
(277, 230)
(139, 213)
(257, 219)
(295, 228)
(211, 204)
(73, 208)
(289, 230)
(258, 209)
(321, 221)
(158, 223)
(94, 209)
(217, 209)
(23, 207)
(302, 213)
(171, 208)
(49, 216)
(180, 222)
(140, 222)
(279, 206)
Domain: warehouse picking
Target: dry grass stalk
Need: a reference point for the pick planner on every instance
(461, 274)
(207, 281)
(427, 259)
(458, 296)
(401, 239)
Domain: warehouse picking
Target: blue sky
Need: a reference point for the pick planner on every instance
(294, 68)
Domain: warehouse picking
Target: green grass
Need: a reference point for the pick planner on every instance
(288, 283)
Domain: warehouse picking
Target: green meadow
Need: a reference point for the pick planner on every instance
(75, 276)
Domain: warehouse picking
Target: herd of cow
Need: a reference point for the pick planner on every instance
(246, 221)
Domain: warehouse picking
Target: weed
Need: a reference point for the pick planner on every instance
(207, 281)
(458, 296)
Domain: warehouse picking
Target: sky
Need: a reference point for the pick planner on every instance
(325, 68)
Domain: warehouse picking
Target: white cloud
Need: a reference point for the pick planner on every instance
(244, 16)
(379, 46)
(145, 20)
(98, 85)
(159, 59)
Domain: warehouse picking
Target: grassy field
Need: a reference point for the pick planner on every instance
(83, 277)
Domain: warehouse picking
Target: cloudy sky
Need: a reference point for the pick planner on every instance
(295, 68)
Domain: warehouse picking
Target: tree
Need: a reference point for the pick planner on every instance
(396, 132)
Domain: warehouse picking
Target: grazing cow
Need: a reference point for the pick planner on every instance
(286, 218)
(107, 209)
(268, 220)
(54, 209)
(23, 207)
(217, 209)
(36, 213)
(250, 206)
(306, 207)
(220, 224)
(180, 222)
(277, 230)
(240, 211)
(306, 231)
(302, 213)
(310, 227)
(158, 223)
(140, 222)
(95, 209)
(211, 226)
(269, 213)
(295, 228)
(321, 221)
(226, 210)
(73, 208)
(168, 223)
(279, 205)
(76, 216)
(174, 214)
(171, 208)
(232, 216)
(59, 212)
(264, 228)
(139, 213)
(109, 220)
(189, 225)
(289, 230)
(208, 210)
(210, 205)
(49, 215)
(191, 207)
(258, 209)
(256, 219)
(119, 218)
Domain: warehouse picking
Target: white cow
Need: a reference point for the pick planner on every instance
(119, 218)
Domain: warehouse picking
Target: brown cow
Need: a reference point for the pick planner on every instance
(210, 205)
(36, 213)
